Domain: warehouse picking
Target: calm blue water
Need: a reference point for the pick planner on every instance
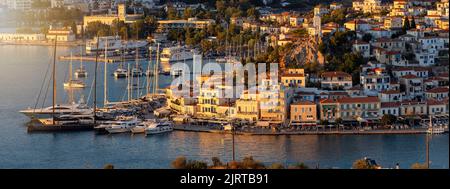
(23, 69)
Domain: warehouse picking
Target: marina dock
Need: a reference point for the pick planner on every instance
(90, 58)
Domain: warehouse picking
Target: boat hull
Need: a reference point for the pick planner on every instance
(137, 130)
(118, 130)
(56, 128)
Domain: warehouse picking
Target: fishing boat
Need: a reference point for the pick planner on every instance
(120, 126)
(159, 127)
(73, 83)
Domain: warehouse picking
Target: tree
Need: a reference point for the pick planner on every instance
(299, 166)
(362, 164)
(172, 13)
(367, 37)
(194, 164)
(276, 166)
(250, 163)
(216, 161)
(179, 163)
(108, 166)
(388, 119)
(413, 23)
(418, 166)
(406, 25)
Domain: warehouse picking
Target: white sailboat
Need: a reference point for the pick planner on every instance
(81, 72)
(121, 72)
(73, 83)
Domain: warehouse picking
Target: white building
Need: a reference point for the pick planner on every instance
(362, 47)
(19, 4)
(21, 37)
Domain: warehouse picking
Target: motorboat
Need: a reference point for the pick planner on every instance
(140, 128)
(120, 126)
(176, 54)
(74, 84)
(159, 127)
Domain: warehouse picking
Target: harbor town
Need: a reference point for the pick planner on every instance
(257, 68)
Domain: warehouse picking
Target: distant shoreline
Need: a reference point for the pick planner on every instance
(43, 43)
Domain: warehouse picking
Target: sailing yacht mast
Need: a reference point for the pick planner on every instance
(54, 81)
(95, 83)
(137, 70)
(148, 70)
(128, 82)
(427, 159)
(156, 74)
(105, 89)
(70, 68)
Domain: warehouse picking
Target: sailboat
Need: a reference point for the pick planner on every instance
(73, 83)
(121, 72)
(60, 122)
(137, 71)
(81, 72)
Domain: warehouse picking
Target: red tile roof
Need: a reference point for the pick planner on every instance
(304, 102)
(390, 104)
(391, 92)
(335, 74)
(438, 90)
(358, 99)
(409, 76)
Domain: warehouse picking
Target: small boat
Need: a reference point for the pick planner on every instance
(140, 128)
(432, 129)
(81, 72)
(436, 130)
(159, 127)
(74, 84)
(120, 126)
(120, 73)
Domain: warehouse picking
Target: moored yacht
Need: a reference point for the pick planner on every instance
(121, 125)
(140, 128)
(74, 84)
(59, 109)
(159, 127)
(175, 54)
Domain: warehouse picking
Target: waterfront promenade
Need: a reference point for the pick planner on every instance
(267, 131)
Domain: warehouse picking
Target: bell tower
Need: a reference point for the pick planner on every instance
(122, 11)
